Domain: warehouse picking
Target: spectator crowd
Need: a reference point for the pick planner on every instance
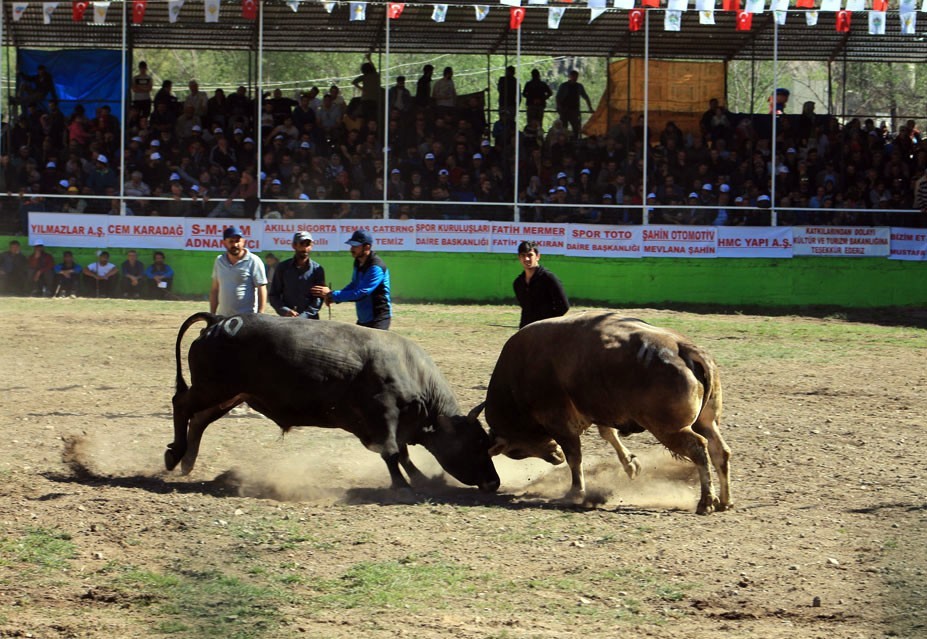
(323, 157)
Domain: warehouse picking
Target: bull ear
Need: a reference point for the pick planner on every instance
(498, 447)
(475, 413)
(444, 423)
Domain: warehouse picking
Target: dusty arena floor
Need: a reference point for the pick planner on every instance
(299, 536)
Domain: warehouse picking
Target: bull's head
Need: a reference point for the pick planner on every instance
(461, 446)
(542, 448)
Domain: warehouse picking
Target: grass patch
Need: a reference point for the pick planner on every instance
(45, 549)
(205, 604)
(407, 583)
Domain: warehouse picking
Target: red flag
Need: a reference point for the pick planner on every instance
(516, 17)
(651, 3)
(635, 19)
(880, 5)
(249, 9)
(730, 5)
(395, 9)
(843, 21)
(138, 11)
(744, 21)
(804, 4)
(78, 8)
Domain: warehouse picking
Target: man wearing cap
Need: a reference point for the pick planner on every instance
(369, 287)
(239, 284)
(291, 288)
(104, 275)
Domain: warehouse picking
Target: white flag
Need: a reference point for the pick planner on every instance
(706, 16)
(48, 8)
(173, 9)
(811, 18)
(595, 13)
(511, 3)
(672, 20)
(537, 2)
(19, 8)
(554, 15)
(907, 6)
(755, 6)
(627, 5)
(856, 5)
(830, 5)
(704, 5)
(482, 10)
(99, 12)
(329, 6)
(924, 6)
(876, 23)
(908, 22)
(780, 5)
(293, 4)
(211, 10)
(678, 5)
(780, 17)
(439, 14)
(358, 11)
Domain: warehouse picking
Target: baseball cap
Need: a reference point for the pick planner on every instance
(586, 172)
(443, 172)
(51, 165)
(360, 237)
(395, 171)
(247, 141)
(156, 143)
(651, 196)
(174, 177)
(763, 198)
(301, 236)
(693, 194)
(485, 143)
(102, 158)
(38, 242)
(155, 156)
(231, 231)
(232, 169)
(196, 127)
(304, 145)
(477, 156)
(725, 188)
(64, 184)
(561, 175)
(429, 156)
(706, 186)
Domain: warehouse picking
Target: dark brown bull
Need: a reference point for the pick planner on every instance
(557, 377)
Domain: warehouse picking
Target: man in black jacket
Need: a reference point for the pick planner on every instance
(539, 292)
(291, 289)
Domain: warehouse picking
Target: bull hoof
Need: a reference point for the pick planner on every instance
(186, 466)
(170, 458)
(634, 468)
(722, 507)
(707, 505)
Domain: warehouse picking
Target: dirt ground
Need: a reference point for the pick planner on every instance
(294, 536)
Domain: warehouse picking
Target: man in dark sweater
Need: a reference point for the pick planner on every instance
(538, 291)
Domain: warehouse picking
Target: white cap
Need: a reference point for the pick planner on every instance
(303, 196)
(174, 177)
(277, 182)
(218, 129)
(443, 172)
(651, 195)
(693, 194)
(156, 143)
(237, 132)
(196, 127)
(725, 188)
(64, 184)
(51, 165)
(38, 242)
(195, 187)
(477, 156)
(706, 187)
(561, 175)
(102, 158)
(232, 169)
(429, 156)
(155, 156)
(305, 145)
(763, 198)
(246, 140)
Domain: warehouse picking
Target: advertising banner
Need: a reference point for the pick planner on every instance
(908, 244)
(841, 241)
(754, 241)
(66, 229)
(462, 236)
(679, 241)
(590, 240)
(506, 236)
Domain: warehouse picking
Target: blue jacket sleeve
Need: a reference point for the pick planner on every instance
(360, 288)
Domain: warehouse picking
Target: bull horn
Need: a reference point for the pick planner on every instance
(475, 413)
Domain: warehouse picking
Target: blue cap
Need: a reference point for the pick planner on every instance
(232, 231)
(360, 237)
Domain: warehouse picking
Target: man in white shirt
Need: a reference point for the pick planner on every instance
(102, 275)
(239, 283)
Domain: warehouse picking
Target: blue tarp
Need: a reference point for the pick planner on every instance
(91, 77)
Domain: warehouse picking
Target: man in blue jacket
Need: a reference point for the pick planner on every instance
(369, 287)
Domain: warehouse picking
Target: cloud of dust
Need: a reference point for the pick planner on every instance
(90, 457)
(663, 482)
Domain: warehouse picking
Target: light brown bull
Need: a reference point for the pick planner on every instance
(557, 377)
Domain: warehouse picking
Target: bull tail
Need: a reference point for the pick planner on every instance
(210, 319)
(704, 370)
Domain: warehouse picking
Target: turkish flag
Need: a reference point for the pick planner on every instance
(395, 9)
(843, 21)
(744, 21)
(516, 17)
(880, 5)
(138, 11)
(651, 3)
(804, 4)
(730, 5)
(249, 9)
(635, 19)
(78, 8)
